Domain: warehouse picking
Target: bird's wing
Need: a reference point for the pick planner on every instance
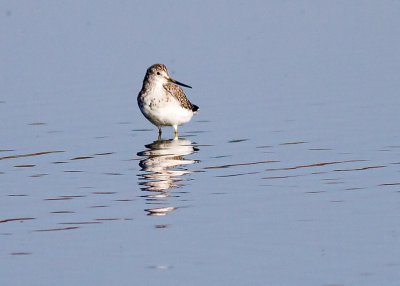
(177, 92)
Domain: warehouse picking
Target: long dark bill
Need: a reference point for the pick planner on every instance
(179, 83)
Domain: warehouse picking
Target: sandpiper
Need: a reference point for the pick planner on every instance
(162, 101)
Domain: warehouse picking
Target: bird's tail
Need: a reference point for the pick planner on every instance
(195, 108)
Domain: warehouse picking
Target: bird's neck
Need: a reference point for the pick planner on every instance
(153, 86)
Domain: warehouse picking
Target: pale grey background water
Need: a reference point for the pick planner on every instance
(289, 175)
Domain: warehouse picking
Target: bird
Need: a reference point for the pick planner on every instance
(162, 100)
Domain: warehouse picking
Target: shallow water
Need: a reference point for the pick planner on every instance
(289, 175)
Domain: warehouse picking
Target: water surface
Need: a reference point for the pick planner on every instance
(289, 175)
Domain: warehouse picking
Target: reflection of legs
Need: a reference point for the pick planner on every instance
(175, 131)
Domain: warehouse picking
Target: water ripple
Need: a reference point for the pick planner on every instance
(240, 164)
(29, 155)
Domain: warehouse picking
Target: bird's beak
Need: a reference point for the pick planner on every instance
(178, 83)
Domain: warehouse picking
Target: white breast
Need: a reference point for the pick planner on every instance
(162, 109)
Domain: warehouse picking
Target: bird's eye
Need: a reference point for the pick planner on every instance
(158, 73)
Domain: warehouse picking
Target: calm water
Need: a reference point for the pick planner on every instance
(289, 175)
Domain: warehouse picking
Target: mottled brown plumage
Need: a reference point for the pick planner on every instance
(177, 92)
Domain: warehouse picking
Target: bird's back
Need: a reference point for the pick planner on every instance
(177, 92)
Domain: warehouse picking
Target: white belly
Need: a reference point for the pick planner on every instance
(165, 111)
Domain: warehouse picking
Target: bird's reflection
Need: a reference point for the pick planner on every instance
(163, 168)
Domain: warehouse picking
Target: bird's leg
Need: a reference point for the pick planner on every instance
(175, 131)
(159, 133)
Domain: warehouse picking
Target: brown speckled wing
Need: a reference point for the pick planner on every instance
(178, 93)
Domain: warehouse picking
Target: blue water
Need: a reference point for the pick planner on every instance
(289, 174)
